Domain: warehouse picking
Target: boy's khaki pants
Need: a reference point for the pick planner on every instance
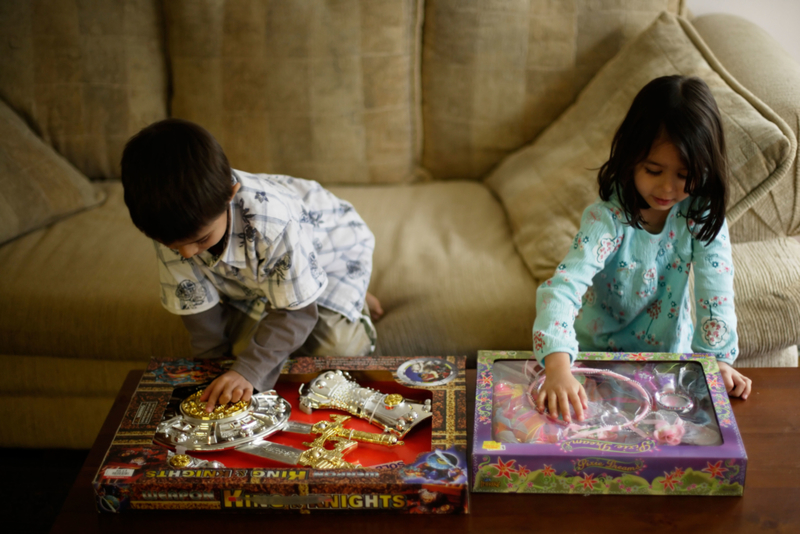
(334, 334)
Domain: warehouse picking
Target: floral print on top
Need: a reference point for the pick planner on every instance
(290, 242)
(624, 289)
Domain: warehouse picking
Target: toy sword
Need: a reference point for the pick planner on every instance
(336, 389)
(317, 456)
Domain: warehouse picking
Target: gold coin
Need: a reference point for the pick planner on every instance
(393, 400)
(180, 460)
(194, 408)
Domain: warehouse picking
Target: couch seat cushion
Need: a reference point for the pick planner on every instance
(445, 269)
(86, 287)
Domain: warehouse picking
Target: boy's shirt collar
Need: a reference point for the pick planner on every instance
(210, 259)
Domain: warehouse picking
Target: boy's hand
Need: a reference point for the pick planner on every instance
(375, 308)
(736, 384)
(229, 387)
(560, 389)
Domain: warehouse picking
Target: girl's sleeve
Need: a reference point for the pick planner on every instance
(715, 327)
(558, 300)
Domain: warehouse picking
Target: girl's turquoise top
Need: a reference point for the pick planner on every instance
(622, 289)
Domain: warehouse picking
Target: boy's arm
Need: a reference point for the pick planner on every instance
(207, 333)
(278, 335)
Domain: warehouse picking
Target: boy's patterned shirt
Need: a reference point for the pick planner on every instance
(624, 289)
(290, 242)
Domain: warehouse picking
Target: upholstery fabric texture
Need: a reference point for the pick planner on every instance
(766, 297)
(37, 186)
(86, 75)
(546, 185)
(773, 76)
(495, 74)
(445, 269)
(41, 392)
(110, 262)
(323, 90)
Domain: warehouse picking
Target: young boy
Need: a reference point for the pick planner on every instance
(278, 262)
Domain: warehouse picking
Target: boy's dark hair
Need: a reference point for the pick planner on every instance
(684, 110)
(176, 179)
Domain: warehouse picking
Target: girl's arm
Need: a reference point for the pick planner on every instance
(561, 389)
(715, 329)
(558, 301)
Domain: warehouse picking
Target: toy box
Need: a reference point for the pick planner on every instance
(657, 424)
(352, 434)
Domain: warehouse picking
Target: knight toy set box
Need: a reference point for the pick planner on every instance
(656, 424)
(335, 434)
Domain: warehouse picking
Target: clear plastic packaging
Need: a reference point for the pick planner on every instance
(628, 402)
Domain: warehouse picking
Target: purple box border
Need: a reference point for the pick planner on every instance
(591, 467)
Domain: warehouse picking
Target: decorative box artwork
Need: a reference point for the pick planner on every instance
(656, 424)
(336, 434)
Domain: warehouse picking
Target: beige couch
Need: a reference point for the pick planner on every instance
(463, 132)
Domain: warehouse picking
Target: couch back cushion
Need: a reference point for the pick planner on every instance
(37, 186)
(773, 75)
(322, 90)
(85, 75)
(495, 74)
(546, 185)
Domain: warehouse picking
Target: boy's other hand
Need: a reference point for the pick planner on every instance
(736, 384)
(229, 387)
(375, 308)
(561, 389)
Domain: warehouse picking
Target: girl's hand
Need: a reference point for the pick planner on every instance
(736, 383)
(560, 389)
(229, 387)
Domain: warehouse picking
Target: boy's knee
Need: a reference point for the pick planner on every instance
(335, 335)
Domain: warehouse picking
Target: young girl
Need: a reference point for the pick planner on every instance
(624, 284)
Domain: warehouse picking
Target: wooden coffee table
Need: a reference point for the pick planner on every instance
(770, 426)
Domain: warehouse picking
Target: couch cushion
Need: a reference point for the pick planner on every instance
(495, 74)
(323, 90)
(445, 270)
(86, 75)
(86, 287)
(773, 75)
(37, 186)
(546, 185)
(767, 289)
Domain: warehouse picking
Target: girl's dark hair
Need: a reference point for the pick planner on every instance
(683, 110)
(176, 179)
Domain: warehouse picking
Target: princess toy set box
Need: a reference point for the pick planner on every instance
(656, 424)
(336, 434)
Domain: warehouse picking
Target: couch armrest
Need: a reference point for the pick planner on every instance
(767, 296)
(757, 61)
